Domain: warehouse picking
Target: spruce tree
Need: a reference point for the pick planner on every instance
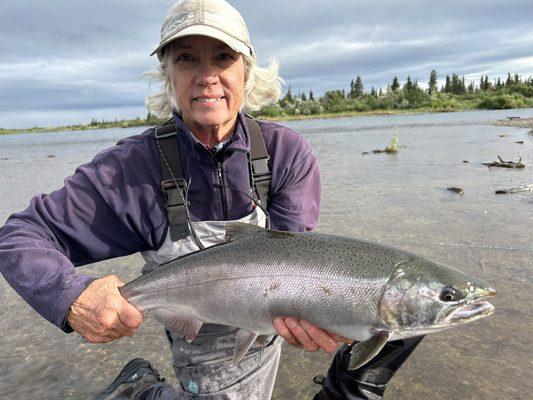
(288, 96)
(358, 87)
(432, 84)
(509, 81)
(395, 84)
(408, 87)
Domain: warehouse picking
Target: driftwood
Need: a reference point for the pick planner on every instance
(387, 150)
(521, 188)
(456, 190)
(506, 164)
(520, 142)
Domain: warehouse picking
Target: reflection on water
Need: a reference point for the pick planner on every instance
(398, 199)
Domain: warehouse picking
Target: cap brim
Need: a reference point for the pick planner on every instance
(204, 30)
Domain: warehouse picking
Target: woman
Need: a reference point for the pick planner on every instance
(114, 205)
(124, 202)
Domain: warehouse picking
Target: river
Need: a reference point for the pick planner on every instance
(398, 199)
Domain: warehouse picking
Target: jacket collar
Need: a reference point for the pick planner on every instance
(239, 140)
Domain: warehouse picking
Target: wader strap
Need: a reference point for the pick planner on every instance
(258, 159)
(174, 182)
(174, 185)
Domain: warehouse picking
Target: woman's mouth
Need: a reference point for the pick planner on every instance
(207, 100)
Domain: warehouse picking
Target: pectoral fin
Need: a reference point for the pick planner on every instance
(179, 324)
(243, 341)
(262, 339)
(365, 351)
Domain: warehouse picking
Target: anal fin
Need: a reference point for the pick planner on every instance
(179, 324)
(243, 341)
(365, 351)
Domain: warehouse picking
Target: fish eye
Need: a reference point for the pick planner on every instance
(449, 294)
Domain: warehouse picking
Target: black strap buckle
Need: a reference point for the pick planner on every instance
(260, 169)
(172, 192)
(260, 166)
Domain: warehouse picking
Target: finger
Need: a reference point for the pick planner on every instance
(113, 327)
(121, 330)
(284, 332)
(341, 339)
(319, 336)
(130, 316)
(300, 334)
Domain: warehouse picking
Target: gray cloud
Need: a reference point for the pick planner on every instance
(76, 58)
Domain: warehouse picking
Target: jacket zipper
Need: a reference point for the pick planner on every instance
(222, 190)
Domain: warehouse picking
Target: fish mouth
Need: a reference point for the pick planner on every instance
(472, 310)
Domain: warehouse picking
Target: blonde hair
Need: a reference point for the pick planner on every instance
(262, 86)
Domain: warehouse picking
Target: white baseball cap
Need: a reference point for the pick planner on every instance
(213, 18)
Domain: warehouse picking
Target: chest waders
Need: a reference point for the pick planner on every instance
(204, 366)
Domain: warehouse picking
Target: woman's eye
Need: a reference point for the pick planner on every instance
(225, 56)
(184, 57)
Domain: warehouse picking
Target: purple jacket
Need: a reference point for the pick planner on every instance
(114, 206)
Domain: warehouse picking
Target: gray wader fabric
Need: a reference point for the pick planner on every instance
(205, 371)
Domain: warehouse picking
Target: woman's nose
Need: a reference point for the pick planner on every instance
(207, 75)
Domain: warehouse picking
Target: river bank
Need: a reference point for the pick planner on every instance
(139, 122)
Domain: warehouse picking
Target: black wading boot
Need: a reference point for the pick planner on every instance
(369, 381)
(134, 378)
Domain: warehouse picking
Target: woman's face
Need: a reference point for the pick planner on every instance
(207, 77)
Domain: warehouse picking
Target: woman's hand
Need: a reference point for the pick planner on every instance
(100, 314)
(302, 334)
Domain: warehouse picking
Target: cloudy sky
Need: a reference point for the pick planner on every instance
(67, 61)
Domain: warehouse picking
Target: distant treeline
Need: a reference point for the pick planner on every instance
(455, 94)
(94, 124)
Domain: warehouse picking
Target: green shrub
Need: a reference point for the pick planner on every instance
(501, 102)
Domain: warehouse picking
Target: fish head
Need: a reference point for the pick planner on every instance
(422, 296)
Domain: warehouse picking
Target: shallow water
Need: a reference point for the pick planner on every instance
(398, 199)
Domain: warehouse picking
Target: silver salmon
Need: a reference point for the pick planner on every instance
(365, 291)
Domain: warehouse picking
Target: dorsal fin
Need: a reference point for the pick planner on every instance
(234, 230)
